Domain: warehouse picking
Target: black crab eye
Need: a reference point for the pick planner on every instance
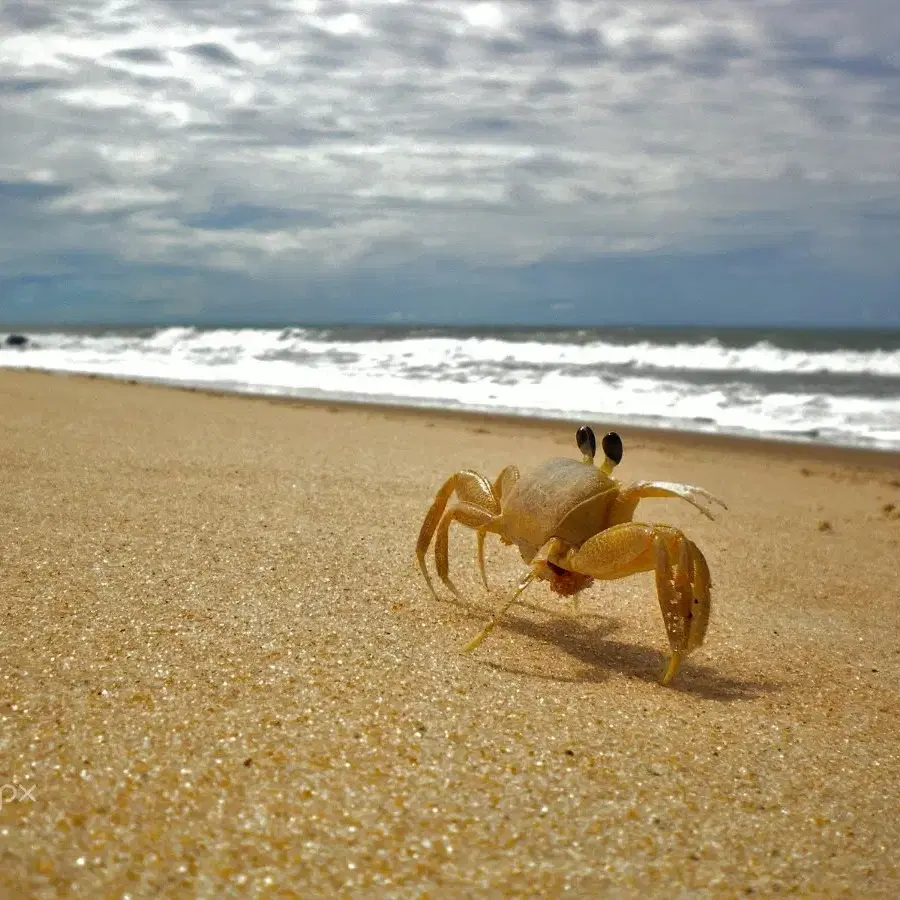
(587, 441)
(612, 447)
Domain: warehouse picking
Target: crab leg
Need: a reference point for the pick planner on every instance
(532, 573)
(502, 485)
(466, 514)
(682, 577)
(473, 490)
(538, 570)
(630, 496)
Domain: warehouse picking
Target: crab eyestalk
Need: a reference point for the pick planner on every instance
(612, 451)
(587, 443)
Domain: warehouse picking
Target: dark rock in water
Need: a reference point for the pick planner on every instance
(16, 340)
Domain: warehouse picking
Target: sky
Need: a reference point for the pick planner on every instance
(553, 161)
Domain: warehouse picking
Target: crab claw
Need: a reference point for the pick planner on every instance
(642, 490)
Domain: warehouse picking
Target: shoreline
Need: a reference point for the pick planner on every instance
(784, 448)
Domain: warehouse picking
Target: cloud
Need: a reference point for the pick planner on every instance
(213, 53)
(28, 15)
(30, 191)
(343, 142)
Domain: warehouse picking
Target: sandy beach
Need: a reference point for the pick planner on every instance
(223, 675)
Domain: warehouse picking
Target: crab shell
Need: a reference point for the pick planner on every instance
(561, 498)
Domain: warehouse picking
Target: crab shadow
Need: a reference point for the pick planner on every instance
(587, 638)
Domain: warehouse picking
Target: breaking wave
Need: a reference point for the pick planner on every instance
(794, 385)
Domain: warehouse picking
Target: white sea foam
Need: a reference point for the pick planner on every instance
(842, 396)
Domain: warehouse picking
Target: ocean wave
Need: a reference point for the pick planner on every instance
(844, 396)
(709, 356)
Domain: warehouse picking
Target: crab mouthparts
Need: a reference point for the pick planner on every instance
(564, 582)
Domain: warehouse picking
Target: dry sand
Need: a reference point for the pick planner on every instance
(222, 673)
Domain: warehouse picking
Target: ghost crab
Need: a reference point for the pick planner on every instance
(572, 523)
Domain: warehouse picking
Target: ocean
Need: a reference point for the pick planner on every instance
(828, 387)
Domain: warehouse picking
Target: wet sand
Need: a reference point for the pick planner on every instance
(222, 673)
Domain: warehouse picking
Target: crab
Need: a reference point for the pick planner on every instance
(572, 523)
